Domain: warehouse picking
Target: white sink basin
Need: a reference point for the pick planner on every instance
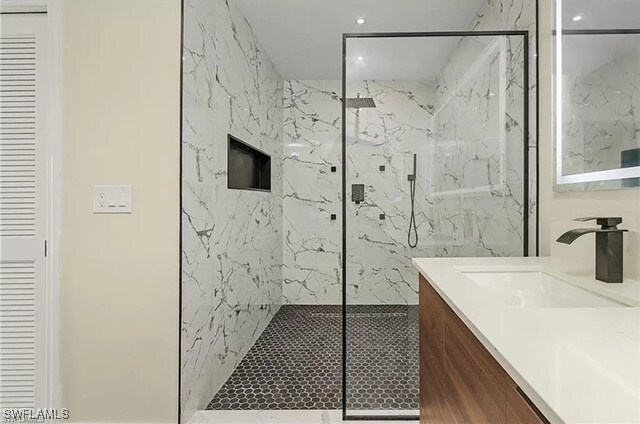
(537, 289)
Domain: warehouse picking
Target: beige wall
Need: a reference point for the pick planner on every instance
(119, 300)
(558, 208)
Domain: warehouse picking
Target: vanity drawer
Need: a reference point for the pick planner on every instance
(475, 384)
(432, 406)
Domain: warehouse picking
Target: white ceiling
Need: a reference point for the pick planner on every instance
(420, 58)
(304, 37)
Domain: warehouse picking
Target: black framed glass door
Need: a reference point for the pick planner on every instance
(435, 164)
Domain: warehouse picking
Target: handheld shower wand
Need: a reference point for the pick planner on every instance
(412, 219)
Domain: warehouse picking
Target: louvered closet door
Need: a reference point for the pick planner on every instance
(23, 46)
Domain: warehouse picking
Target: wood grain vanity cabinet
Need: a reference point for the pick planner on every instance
(460, 382)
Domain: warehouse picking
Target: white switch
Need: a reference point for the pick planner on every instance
(112, 199)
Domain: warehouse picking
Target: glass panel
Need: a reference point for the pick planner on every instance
(435, 130)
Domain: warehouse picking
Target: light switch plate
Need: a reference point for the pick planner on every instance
(112, 199)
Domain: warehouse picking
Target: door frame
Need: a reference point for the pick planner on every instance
(526, 131)
(53, 176)
(54, 201)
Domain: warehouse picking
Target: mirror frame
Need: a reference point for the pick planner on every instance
(585, 177)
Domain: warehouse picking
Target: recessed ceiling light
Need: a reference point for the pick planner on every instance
(577, 18)
(359, 58)
(360, 21)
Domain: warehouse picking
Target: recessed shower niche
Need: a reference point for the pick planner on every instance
(249, 168)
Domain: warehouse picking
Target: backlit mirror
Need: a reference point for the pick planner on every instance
(597, 94)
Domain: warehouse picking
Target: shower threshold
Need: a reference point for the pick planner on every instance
(277, 417)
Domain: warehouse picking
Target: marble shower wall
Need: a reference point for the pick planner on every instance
(477, 163)
(489, 222)
(455, 216)
(384, 136)
(518, 15)
(466, 130)
(379, 269)
(312, 192)
(232, 239)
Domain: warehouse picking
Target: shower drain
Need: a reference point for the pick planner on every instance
(360, 315)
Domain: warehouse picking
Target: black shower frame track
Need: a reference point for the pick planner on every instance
(432, 34)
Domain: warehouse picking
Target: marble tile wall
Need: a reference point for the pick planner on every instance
(518, 15)
(478, 213)
(232, 239)
(378, 262)
(384, 136)
(478, 156)
(488, 222)
(312, 192)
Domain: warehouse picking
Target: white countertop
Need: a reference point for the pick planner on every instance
(578, 365)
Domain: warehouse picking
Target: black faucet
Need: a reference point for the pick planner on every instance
(608, 246)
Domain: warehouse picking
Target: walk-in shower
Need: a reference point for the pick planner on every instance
(299, 293)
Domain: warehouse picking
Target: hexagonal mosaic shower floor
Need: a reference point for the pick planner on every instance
(296, 362)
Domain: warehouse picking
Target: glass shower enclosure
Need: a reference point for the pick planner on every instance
(435, 164)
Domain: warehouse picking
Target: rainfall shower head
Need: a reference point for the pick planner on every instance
(360, 102)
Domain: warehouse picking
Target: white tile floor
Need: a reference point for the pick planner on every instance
(276, 417)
